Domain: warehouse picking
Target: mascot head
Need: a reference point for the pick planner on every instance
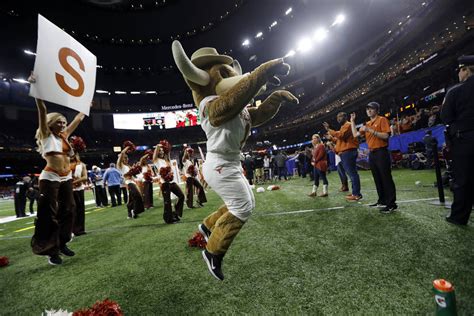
(207, 72)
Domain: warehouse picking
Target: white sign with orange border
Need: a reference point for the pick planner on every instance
(64, 70)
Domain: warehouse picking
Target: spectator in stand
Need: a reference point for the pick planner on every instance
(434, 118)
(113, 178)
(320, 166)
(394, 127)
(280, 161)
(347, 147)
(377, 132)
(405, 124)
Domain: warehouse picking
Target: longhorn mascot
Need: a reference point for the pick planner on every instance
(221, 92)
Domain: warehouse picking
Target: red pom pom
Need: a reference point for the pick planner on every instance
(105, 308)
(149, 152)
(166, 146)
(129, 144)
(166, 173)
(192, 171)
(190, 151)
(197, 241)
(77, 143)
(134, 170)
(275, 187)
(148, 176)
(4, 261)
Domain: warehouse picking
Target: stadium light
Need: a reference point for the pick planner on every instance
(273, 24)
(150, 92)
(290, 53)
(101, 91)
(305, 44)
(259, 34)
(246, 42)
(339, 19)
(134, 92)
(120, 92)
(320, 34)
(288, 11)
(29, 52)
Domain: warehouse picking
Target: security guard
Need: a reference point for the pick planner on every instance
(458, 114)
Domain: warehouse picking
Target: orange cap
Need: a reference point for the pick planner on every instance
(443, 285)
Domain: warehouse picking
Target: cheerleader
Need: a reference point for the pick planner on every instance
(190, 172)
(162, 161)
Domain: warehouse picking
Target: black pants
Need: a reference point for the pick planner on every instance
(20, 205)
(115, 197)
(54, 219)
(381, 168)
(100, 196)
(168, 214)
(281, 173)
(463, 189)
(32, 202)
(192, 183)
(124, 193)
(135, 200)
(79, 223)
(148, 194)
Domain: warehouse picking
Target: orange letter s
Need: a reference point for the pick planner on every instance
(63, 54)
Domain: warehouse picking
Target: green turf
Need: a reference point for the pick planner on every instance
(351, 260)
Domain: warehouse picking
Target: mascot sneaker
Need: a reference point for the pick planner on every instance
(205, 232)
(214, 263)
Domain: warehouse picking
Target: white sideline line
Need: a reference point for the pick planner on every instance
(305, 211)
(338, 208)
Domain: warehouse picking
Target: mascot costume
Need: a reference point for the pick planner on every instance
(222, 93)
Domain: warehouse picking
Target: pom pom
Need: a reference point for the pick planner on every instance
(149, 153)
(134, 170)
(148, 176)
(77, 143)
(273, 187)
(166, 173)
(105, 307)
(129, 144)
(197, 241)
(260, 189)
(4, 261)
(166, 146)
(192, 171)
(56, 313)
(190, 151)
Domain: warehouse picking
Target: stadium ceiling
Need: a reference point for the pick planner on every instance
(132, 38)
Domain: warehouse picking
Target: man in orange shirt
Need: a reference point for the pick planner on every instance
(377, 132)
(346, 147)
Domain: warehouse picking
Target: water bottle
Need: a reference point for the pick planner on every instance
(444, 298)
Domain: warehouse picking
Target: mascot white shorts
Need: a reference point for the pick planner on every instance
(225, 176)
